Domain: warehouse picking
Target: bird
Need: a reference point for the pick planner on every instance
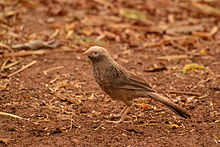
(120, 84)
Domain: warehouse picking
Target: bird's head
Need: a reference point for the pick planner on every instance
(96, 53)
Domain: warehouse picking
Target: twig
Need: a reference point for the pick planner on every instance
(173, 57)
(10, 65)
(161, 42)
(12, 115)
(24, 53)
(201, 82)
(203, 96)
(73, 123)
(169, 40)
(206, 9)
(4, 64)
(101, 125)
(23, 68)
(178, 46)
(53, 68)
(37, 52)
(2, 45)
(148, 124)
(214, 30)
(205, 34)
(183, 92)
(106, 3)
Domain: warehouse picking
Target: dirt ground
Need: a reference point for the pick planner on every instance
(55, 99)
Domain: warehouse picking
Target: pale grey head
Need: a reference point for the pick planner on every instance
(97, 54)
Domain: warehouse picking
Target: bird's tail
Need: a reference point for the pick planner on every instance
(167, 102)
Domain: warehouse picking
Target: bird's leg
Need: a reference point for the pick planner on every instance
(123, 114)
(120, 113)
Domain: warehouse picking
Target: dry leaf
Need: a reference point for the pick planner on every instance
(37, 44)
(52, 69)
(193, 66)
(63, 116)
(207, 35)
(173, 126)
(207, 9)
(11, 115)
(70, 26)
(203, 51)
(25, 53)
(75, 84)
(156, 69)
(202, 34)
(5, 140)
(11, 13)
(2, 87)
(144, 106)
(23, 68)
(173, 57)
(2, 45)
(132, 14)
(184, 29)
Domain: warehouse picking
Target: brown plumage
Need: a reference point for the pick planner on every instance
(122, 85)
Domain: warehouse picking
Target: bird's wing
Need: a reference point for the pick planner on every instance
(121, 78)
(135, 83)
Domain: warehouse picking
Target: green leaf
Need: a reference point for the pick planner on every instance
(132, 14)
(192, 66)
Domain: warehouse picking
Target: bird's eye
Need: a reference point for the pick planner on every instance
(95, 53)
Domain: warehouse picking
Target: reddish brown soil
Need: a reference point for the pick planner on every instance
(65, 106)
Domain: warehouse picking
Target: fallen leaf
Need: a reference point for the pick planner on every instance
(208, 35)
(132, 14)
(63, 116)
(25, 53)
(5, 140)
(217, 141)
(203, 51)
(184, 29)
(56, 33)
(70, 26)
(11, 13)
(173, 57)
(156, 69)
(31, 4)
(173, 126)
(144, 106)
(214, 30)
(192, 66)
(23, 68)
(202, 34)
(207, 9)
(11, 115)
(55, 26)
(75, 84)
(184, 92)
(2, 45)
(52, 69)
(90, 41)
(2, 87)
(37, 44)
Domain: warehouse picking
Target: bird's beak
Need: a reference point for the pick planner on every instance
(85, 53)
